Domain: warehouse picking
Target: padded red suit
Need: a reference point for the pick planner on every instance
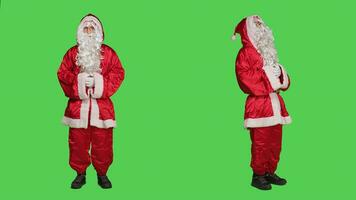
(265, 110)
(90, 111)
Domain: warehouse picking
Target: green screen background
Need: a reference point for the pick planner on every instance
(179, 110)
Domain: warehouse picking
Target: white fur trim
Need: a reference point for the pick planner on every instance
(96, 121)
(251, 30)
(98, 86)
(285, 78)
(233, 37)
(266, 121)
(276, 105)
(269, 121)
(81, 86)
(273, 80)
(83, 121)
(84, 116)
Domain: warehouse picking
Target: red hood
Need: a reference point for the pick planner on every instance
(241, 29)
(247, 29)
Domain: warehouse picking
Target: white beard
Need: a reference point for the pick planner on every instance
(89, 53)
(265, 46)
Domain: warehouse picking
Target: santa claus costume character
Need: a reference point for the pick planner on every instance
(89, 75)
(260, 75)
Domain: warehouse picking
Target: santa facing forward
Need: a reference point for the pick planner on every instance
(260, 75)
(89, 75)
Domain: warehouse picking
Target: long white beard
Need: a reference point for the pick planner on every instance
(89, 53)
(265, 46)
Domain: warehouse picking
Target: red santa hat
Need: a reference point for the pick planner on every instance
(238, 28)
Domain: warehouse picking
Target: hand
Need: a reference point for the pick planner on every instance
(89, 81)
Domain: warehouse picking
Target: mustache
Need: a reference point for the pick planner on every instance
(89, 39)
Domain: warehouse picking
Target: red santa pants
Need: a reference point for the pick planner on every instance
(91, 145)
(265, 149)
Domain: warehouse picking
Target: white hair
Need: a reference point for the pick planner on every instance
(89, 51)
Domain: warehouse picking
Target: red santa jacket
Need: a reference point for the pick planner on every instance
(264, 106)
(90, 105)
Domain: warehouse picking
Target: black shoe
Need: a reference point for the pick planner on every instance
(104, 182)
(260, 182)
(78, 182)
(275, 179)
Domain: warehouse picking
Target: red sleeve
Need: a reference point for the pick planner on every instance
(107, 84)
(67, 79)
(285, 79)
(250, 79)
(287, 87)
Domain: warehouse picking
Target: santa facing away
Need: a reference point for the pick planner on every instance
(260, 75)
(89, 75)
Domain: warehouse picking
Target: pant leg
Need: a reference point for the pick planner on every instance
(275, 147)
(79, 144)
(259, 150)
(101, 150)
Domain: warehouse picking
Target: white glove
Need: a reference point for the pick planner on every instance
(89, 81)
(276, 70)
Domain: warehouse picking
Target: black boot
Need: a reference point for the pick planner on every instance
(78, 182)
(104, 182)
(275, 179)
(260, 182)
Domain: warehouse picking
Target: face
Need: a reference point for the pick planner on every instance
(88, 29)
(258, 21)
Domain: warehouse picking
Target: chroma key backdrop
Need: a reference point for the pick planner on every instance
(179, 110)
